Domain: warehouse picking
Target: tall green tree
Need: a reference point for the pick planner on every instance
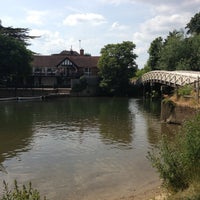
(15, 58)
(20, 34)
(177, 52)
(194, 25)
(191, 54)
(172, 51)
(116, 66)
(154, 53)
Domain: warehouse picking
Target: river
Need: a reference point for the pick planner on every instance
(80, 148)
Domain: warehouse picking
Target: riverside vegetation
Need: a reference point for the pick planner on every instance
(24, 193)
(178, 162)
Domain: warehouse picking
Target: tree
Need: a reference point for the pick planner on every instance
(194, 24)
(177, 52)
(15, 58)
(172, 51)
(116, 66)
(20, 34)
(154, 53)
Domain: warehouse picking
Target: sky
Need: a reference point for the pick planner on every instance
(92, 24)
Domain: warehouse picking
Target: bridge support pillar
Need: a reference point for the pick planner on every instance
(176, 91)
(197, 90)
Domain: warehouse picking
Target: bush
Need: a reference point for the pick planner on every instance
(185, 90)
(79, 87)
(178, 162)
(25, 193)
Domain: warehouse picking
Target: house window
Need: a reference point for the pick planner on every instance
(87, 71)
(49, 70)
(66, 63)
(38, 70)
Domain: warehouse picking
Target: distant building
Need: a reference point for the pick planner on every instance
(57, 70)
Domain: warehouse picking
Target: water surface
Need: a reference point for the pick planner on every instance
(79, 148)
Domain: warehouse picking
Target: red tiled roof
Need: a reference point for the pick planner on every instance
(84, 61)
(56, 59)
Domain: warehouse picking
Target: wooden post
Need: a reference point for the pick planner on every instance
(176, 89)
(144, 95)
(197, 90)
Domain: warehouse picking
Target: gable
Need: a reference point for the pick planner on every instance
(66, 62)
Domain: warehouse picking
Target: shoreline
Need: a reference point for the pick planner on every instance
(150, 191)
(153, 192)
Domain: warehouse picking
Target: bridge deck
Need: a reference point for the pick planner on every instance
(172, 78)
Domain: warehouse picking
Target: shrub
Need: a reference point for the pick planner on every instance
(25, 193)
(185, 90)
(178, 162)
(170, 103)
(81, 85)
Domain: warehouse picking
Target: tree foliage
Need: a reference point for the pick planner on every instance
(15, 58)
(177, 52)
(154, 53)
(116, 66)
(20, 34)
(194, 25)
(172, 51)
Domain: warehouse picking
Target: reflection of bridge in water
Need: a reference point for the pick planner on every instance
(171, 78)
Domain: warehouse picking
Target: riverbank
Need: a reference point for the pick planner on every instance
(149, 194)
(34, 92)
(174, 109)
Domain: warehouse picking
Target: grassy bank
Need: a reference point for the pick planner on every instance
(178, 162)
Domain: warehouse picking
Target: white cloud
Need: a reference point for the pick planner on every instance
(116, 2)
(47, 42)
(8, 21)
(166, 16)
(92, 18)
(36, 17)
(160, 17)
(117, 27)
(161, 24)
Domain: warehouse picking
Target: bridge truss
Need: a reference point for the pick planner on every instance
(172, 78)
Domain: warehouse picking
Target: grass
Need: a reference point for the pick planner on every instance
(178, 162)
(191, 193)
(17, 193)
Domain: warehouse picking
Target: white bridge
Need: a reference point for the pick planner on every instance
(171, 78)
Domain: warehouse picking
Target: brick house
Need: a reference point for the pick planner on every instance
(57, 70)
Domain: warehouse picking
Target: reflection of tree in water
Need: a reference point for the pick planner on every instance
(19, 120)
(15, 129)
(111, 115)
(115, 121)
(67, 110)
(151, 112)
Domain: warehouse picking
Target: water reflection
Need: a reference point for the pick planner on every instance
(110, 116)
(115, 121)
(15, 130)
(155, 128)
(78, 148)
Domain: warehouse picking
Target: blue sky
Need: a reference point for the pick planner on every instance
(63, 23)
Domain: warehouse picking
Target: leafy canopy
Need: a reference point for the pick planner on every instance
(177, 52)
(20, 34)
(154, 53)
(194, 25)
(116, 66)
(15, 58)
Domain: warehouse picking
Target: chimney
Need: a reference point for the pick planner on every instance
(81, 52)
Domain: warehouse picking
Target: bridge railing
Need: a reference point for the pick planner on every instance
(171, 78)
